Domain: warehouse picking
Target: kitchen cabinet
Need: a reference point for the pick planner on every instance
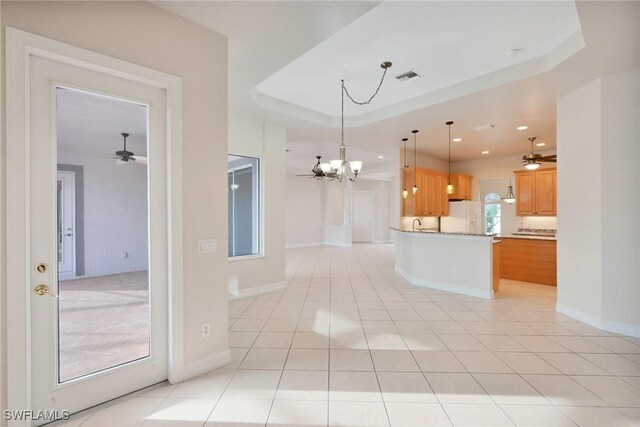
(536, 192)
(431, 198)
(461, 187)
(528, 260)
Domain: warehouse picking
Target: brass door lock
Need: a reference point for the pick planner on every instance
(41, 267)
(43, 290)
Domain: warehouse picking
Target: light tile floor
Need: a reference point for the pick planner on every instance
(351, 343)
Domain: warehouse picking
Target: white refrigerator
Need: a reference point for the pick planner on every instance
(464, 217)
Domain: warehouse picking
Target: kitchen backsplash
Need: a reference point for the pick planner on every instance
(427, 222)
(538, 222)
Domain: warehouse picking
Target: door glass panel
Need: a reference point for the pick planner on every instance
(103, 307)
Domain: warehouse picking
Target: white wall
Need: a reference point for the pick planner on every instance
(144, 34)
(304, 210)
(491, 175)
(115, 215)
(266, 141)
(598, 203)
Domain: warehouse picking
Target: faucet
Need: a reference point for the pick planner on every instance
(414, 224)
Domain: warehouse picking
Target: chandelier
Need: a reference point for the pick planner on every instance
(341, 167)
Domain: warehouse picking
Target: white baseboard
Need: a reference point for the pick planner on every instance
(304, 245)
(449, 287)
(598, 322)
(201, 366)
(340, 245)
(249, 292)
(382, 241)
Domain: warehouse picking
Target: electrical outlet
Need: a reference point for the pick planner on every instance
(207, 246)
(205, 330)
(454, 271)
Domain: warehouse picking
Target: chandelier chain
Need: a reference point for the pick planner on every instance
(384, 73)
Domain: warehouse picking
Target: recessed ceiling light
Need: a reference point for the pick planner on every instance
(541, 144)
(485, 152)
(522, 127)
(457, 139)
(381, 157)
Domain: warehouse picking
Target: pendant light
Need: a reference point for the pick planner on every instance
(339, 168)
(531, 162)
(415, 162)
(450, 189)
(405, 193)
(510, 198)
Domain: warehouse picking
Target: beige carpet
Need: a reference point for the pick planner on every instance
(104, 322)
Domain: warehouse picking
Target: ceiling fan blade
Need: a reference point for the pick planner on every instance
(306, 174)
(110, 157)
(140, 159)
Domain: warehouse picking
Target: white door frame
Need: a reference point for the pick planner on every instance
(21, 45)
(372, 211)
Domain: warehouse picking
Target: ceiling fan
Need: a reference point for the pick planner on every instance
(124, 156)
(533, 160)
(317, 171)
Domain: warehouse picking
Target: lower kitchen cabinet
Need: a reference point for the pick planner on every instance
(528, 260)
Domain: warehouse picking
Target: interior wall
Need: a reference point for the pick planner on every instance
(599, 243)
(143, 34)
(115, 215)
(304, 210)
(621, 198)
(266, 141)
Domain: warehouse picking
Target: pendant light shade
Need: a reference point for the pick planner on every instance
(450, 188)
(510, 198)
(415, 162)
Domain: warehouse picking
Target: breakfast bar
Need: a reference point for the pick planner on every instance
(464, 263)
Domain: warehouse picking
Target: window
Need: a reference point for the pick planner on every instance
(492, 213)
(243, 175)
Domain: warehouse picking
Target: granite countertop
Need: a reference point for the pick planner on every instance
(529, 237)
(418, 231)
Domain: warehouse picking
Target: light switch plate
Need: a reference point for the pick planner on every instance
(207, 246)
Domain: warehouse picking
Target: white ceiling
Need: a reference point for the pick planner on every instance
(91, 124)
(266, 38)
(447, 43)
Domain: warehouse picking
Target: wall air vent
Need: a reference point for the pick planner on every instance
(407, 76)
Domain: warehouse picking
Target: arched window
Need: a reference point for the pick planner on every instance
(492, 214)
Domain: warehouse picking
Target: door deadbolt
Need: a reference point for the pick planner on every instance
(41, 268)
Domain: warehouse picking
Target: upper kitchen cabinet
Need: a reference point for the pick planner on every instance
(536, 192)
(431, 198)
(461, 187)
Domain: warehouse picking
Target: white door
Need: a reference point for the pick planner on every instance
(103, 334)
(66, 224)
(362, 217)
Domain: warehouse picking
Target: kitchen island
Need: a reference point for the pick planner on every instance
(464, 263)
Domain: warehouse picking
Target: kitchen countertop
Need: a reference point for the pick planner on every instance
(529, 237)
(445, 233)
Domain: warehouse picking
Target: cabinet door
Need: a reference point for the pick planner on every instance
(442, 208)
(409, 205)
(421, 195)
(430, 185)
(545, 199)
(525, 193)
(465, 187)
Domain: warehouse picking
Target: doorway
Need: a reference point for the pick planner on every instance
(362, 216)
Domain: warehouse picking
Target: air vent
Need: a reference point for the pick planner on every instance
(407, 76)
(483, 128)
